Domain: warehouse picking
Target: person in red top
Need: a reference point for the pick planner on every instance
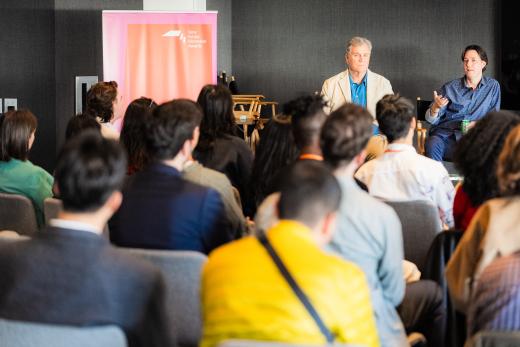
(475, 158)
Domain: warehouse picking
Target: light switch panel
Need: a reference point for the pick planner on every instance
(10, 104)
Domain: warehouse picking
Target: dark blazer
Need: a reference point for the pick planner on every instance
(75, 277)
(161, 210)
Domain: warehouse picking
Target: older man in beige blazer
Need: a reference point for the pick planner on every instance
(359, 85)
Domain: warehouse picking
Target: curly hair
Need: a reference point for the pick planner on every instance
(508, 171)
(476, 154)
(276, 150)
(218, 119)
(345, 134)
(307, 118)
(100, 100)
(133, 132)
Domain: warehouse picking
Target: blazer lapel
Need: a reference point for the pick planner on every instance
(344, 85)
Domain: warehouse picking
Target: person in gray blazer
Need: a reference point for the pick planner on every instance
(69, 274)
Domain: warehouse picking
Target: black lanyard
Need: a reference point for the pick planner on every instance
(296, 289)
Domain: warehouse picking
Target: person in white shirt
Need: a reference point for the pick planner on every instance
(400, 173)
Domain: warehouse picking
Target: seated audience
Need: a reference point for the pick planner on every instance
(68, 274)
(493, 232)
(369, 234)
(275, 152)
(219, 148)
(244, 295)
(80, 123)
(133, 132)
(17, 174)
(195, 172)
(494, 305)
(475, 158)
(160, 209)
(101, 99)
(400, 173)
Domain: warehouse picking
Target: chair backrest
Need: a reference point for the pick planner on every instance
(17, 214)
(421, 223)
(182, 273)
(23, 334)
(495, 339)
(51, 208)
(421, 108)
(252, 343)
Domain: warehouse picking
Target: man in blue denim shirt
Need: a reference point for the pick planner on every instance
(468, 98)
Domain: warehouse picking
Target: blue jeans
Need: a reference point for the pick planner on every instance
(440, 145)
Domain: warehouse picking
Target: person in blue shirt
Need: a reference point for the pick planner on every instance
(468, 98)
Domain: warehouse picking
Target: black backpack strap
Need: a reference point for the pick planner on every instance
(294, 286)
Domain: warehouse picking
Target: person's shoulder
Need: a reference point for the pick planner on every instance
(122, 262)
(377, 76)
(340, 268)
(489, 80)
(343, 74)
(233, 250)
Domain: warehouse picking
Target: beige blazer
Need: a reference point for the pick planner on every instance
(336, 90)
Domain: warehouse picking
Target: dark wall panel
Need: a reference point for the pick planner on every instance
(285, 48)
(79, 49)
(27, 68)
(223, 33)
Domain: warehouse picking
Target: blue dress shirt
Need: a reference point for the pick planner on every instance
(358, 91)
(466, 103)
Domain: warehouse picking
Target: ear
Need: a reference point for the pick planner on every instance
(360, 158)
(114, 201)
(328, 227)
(413, 123)
(484, 64)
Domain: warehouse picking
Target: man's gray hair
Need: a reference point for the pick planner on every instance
(358, 41)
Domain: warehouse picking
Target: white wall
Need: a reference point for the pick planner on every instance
(174, 5)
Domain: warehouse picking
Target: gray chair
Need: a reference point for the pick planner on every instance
(421, 224)
(51, 208)
(495, 339)
(17, 214)
(24, 334)
(251, 343)
(182, 273)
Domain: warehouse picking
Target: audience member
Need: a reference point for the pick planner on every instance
(369, 234)
(244, 295)
(80, 123)
(475, 158)
(400, 173)
(68, 274)
(101, 99)
(133, 132)
(275, 152)
(195, 172)
(493, 232)
(17, 174)
(160, 209)
(494, 306)
(464, 99)
(219, 148)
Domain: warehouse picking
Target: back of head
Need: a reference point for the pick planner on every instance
(345, 134)
(16, 129)
(137, 115)
(80, 123)
(100, 100)
(89, 169)
(307, 119)
(508, 171)
(218, 120)
(171, 125)
(275, 151)
(309, 194)
(394, 114)
(477, 152)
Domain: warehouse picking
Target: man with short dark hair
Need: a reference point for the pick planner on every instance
(69, 274)
(400, 173)
(160, 209)
(244, 295)
(369, 234)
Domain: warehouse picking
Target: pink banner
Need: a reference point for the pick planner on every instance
(161, 55)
